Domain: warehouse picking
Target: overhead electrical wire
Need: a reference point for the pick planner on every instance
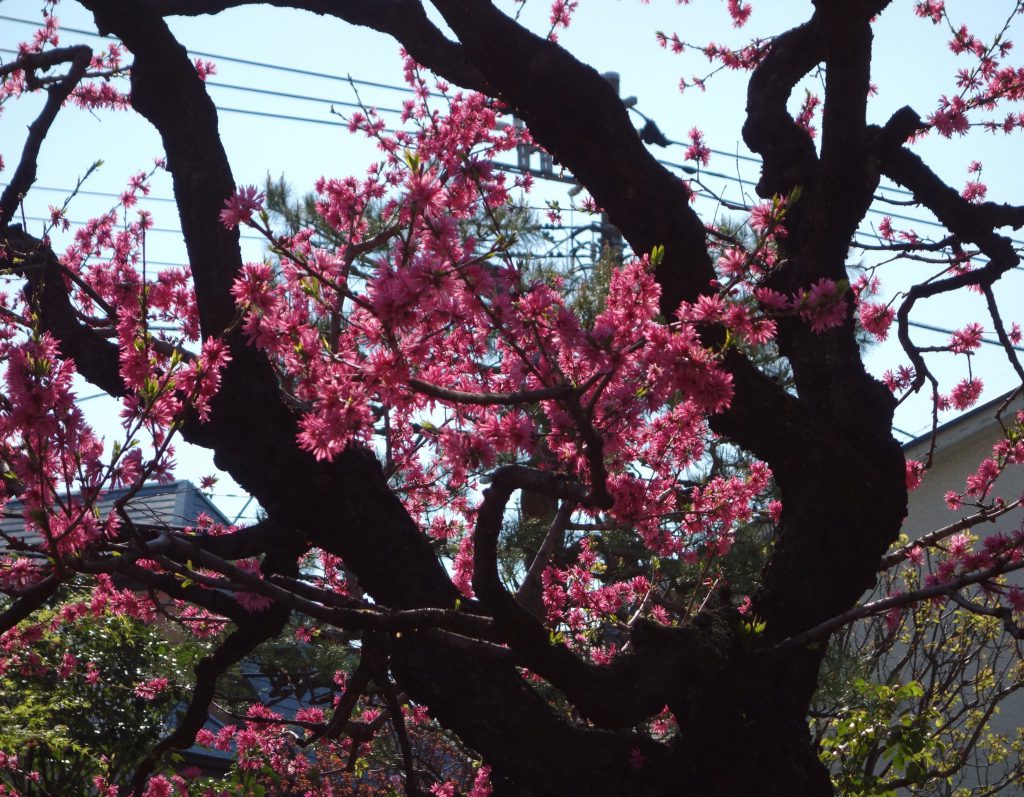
(685, 168)
(236, 60)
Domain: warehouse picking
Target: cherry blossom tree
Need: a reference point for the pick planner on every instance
(395, 393)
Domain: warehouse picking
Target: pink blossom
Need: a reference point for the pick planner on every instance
(876, 318)
(824, 305)
(951, 117)
(894, 617)
(481, 783)
(239, 207)
(204, 68)
(931, 9)
(739, 12)
(958, 545)
(914, 472)
(158, 786)
(67, 665)
(974, 191)
(966, 393)
(252, 602)
(148, 690)
(561, 13)
(966, 339)
(698, 150)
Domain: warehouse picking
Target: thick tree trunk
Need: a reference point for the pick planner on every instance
(742, 711)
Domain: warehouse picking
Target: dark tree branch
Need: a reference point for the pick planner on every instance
(968, 221)
(219, 603)
(28, 601)
(356, 685)
(615, 696)
(238, 644)
(344, 507)
(787, 151)
(403, 19)
(491, 399)
(251, 630)
(25, 174)
(882, 605)
(930, 539)
(530, 592)
(341, 611)
(95, 357)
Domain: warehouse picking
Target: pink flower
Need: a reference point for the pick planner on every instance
(67, 665)
(951, 117)
(561, 13)
(974, 191)
(762, 217)
(252, 602)
(158, 786)
(824, 305)
(739, 12)
(958, 545)
(481, 783)
(148, 690)
(930, 9)
(204, 68)
(206, 738)
(876, 318)
(966, 393)
(698, 150)
(893, 617)
(239, 207)
(966, 339)
(914, 472)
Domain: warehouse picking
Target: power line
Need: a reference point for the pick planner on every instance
(989, 341)
(687, 169)
(291, 96)
(101, 194)
(281, 116)
(242, 61)
(169, 230)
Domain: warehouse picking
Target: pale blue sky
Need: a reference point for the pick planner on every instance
(913, 67)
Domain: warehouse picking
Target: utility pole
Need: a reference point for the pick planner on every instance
(611, 238)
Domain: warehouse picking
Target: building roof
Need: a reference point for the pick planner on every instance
(970, 422)
(178, 503)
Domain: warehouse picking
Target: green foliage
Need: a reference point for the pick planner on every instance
(886, 732)
(69, 726)
(913, 705)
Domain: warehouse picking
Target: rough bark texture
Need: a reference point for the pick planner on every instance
(742, 709)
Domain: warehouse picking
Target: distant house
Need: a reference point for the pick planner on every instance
(176, 504)
(960, 445)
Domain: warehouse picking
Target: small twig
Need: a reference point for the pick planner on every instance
(929, 539)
